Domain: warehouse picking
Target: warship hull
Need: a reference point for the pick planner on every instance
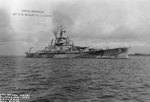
(104, 54)
(63, 47)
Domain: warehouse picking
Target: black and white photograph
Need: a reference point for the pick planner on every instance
(74, 50)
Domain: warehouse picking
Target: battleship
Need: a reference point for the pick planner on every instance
(63, 47)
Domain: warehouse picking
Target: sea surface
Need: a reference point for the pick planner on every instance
(76, 80)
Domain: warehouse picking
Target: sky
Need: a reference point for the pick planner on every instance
(92, 23)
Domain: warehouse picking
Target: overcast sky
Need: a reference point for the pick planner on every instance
(93, 23)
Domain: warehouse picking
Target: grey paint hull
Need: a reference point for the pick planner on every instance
(107, 53)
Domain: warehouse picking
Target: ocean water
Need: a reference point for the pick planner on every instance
(76, 80)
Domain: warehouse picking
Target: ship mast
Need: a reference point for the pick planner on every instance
(62, 31)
